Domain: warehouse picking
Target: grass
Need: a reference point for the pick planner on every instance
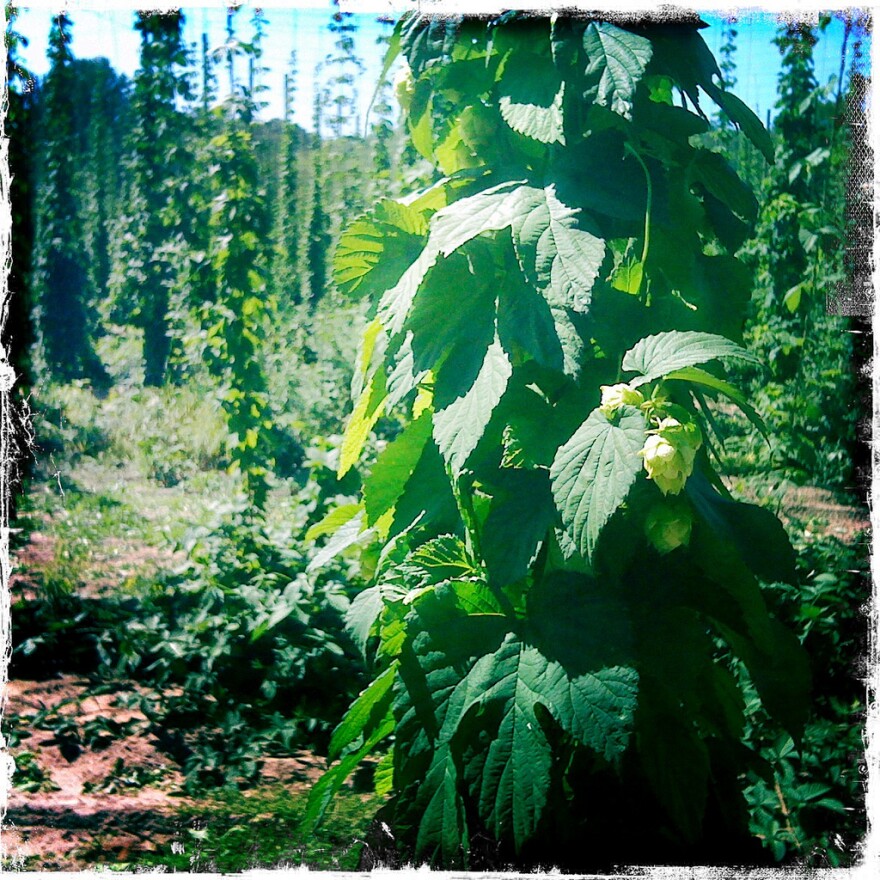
(236, 831)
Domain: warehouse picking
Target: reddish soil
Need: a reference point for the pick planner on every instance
(101, 810)
(820, 511)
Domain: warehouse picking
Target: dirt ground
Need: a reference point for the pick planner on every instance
(107, 797)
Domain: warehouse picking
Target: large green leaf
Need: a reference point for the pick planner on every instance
(596, 708)
(444, 558)
(555, 254)
(366, 608)
(454, 313)
(676, 762)
(756, 533)
(781, 675)
(365, 714)
(394, 467)
(716, 174)
(744, 118)
(563, 260)
(707, 380)
(531, 99)
(459, 426)
(617, 61)
(594, 471)
(374, 251)
(517, 523)
(443, 827)
(663, 353)
(325, 788)
(526, 324)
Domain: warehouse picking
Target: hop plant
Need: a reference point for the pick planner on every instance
(668, 525)
(615, 396)
(669, 454)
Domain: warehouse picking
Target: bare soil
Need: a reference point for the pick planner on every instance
(103, 801)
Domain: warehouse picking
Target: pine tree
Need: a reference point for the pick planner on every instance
(65, 325)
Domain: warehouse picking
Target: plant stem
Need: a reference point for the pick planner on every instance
(649, 198)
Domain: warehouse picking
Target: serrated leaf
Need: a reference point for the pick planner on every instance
(373, 251)
(719, 178)
(443, 828)
(701, 377)
(365, 609)
(460, 425)
(516, 524)
(617, 61)
(554, 253)
(561, 259)
(322, 792)
(663, 353)
(397, 301)
(383, 776)
(526, 325)
(744, 119)
(757, 534)
(337, 517)
(781, 675)
(371, 348)
(367, 411)
(440, 559)
(365, 714)
(676, 763)
(594, 471)
(595, 708)
(347, 535)
(531, 100)
(394, 467)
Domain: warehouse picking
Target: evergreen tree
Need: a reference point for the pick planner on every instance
(65, 325)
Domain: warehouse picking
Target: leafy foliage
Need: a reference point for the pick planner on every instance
(521, 659)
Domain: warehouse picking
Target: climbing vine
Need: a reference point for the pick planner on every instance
(565, 607)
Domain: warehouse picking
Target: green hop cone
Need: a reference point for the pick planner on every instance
(615, 396)
(668, 525)
(669, 454)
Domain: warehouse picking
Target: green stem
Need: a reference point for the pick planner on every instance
(466, 512)
(649, 199)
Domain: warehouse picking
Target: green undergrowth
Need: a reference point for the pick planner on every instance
(231, 831)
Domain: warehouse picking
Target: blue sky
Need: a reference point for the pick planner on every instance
(109, 33)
